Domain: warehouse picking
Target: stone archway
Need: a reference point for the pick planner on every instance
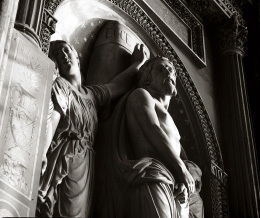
(191, 99)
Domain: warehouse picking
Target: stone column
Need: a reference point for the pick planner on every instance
(8, 9)
(28, 18)
(238, 145)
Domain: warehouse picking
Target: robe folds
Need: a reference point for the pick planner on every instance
(66, 187)
(129, 188)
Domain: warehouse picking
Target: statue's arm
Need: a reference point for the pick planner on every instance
(141, 108)
(125, 80)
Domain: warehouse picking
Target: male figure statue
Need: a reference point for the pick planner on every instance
(145, 175)
(152, 130)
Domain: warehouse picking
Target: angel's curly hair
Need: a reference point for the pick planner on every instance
(145, 77)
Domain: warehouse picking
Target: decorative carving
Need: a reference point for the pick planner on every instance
(190, 20)
(201, 6)
(13, 169)
(49, 20)
(22, 116)
(5, 213)
(47, 29)
(51, 5)
(219, 173)
(232, 31)
(219, 199)
(227, 7)
(232, 34)
(48, 23)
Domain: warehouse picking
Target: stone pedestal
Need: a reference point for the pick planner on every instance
(24, 103)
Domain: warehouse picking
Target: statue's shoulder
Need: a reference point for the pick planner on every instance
(139, 92)
(139, 97)
(60, 81)
(61, 86)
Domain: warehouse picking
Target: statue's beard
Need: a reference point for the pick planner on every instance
(169, 89)
(165, 88)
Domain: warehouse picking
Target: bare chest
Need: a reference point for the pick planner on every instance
(167, 123)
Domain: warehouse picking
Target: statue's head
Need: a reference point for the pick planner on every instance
(56, 47)
(158, 73)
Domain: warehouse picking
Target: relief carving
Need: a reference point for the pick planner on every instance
(21, 119)
(5, 213)
(201, 6)
(47, 29)
(23, 115)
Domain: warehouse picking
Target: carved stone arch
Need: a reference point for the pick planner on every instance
(192, 100)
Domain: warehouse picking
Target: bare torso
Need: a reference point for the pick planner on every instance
(142, 143)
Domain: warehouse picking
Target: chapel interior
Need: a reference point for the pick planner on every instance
(215, 47)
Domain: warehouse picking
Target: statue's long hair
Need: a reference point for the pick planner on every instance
(145, 76)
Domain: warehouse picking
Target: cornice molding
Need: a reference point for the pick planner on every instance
(193, 23)
(225, 20)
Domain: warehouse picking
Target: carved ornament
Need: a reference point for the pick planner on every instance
(47, 29)
(200, 6)
(48, 23)
(232, 34)
(191, 21)
(51, 5)
(227, 7)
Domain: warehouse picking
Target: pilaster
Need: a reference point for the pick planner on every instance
(226, 23)
(238, 145)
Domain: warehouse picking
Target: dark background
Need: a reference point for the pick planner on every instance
(252, 66)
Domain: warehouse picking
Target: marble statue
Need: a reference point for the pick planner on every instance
(66, 185)
(141, 173)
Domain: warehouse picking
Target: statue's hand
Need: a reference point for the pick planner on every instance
(188, 181)
(139, 55)
(181, 193)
